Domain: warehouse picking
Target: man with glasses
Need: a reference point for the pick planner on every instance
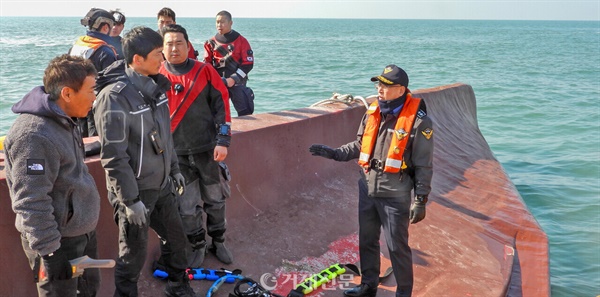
(394, 146)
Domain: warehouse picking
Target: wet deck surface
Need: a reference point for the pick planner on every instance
(292, 214)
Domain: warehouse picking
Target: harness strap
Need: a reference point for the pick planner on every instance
(187, 94)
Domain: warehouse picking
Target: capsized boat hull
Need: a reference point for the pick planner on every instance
(291, 214)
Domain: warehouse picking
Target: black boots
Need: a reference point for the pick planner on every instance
(179, 289)
(363, 290)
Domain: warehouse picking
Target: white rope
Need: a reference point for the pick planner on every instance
(346, 99)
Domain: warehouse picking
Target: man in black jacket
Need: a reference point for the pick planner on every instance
(139, 159)
(394, 147)
(115, 32)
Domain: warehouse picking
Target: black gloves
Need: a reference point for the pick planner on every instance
(322, 150)
(417, 210)
(57, 266)
(179, 182)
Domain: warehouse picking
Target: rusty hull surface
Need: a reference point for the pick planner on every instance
(292, 214)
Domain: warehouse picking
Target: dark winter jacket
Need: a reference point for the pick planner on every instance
(132, 116)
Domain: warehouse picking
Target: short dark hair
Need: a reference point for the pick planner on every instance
(224, 13)
(140, 40)
(119, 17)
(174, 28)
(66, 71)
(165, 11)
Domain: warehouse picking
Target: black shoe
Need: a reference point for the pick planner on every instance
(179, 289)
(363, 290)
(404, 291)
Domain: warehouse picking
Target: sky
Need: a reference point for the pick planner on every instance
(347, 9)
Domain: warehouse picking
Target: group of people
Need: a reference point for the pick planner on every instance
(164, 127)
(152, 99)
(227, 51)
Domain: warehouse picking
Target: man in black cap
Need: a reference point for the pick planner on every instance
(95, 45)
(115, 33)
(394, 147)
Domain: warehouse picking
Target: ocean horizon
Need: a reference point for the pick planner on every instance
(537, 85)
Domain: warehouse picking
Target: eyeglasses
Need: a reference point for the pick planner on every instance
(384, 86)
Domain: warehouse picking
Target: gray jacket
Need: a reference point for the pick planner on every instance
(132, 116)
(418, 158)
(52, 192)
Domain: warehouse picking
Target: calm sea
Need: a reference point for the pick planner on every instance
(537, 84)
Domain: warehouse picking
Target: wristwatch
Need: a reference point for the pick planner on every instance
(421, 199)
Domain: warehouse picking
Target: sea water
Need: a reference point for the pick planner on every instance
(537, 85)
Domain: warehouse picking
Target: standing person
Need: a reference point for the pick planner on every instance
(198, 102)
(95, 45)
(166, 16)
(230, 53)
(53, 194)
(394, 146)
(138, 157)
(115, 33)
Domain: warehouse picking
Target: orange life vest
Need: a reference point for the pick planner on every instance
(394, 161)
(85, 46)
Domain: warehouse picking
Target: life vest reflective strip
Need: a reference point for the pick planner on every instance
(181, 101)
(404, 125)
(85, 46)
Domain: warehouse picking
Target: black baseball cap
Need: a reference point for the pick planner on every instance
(97, 16)
(392, 75)
(119, 17)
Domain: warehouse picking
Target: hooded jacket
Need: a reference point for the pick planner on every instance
(53, 194)
(132, 117)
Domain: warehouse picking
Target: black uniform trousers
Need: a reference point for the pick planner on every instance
(391, 213)
(163, 217)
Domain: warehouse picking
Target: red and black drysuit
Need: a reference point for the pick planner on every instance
(232, 56)
(199, 107)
